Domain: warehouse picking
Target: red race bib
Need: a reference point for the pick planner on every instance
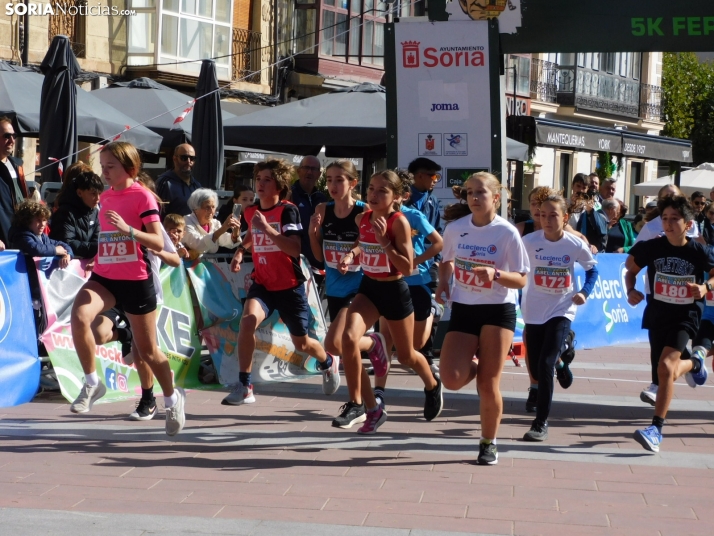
(373, 258)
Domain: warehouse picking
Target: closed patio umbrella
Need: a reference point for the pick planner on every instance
(207, 131)
(58, 108)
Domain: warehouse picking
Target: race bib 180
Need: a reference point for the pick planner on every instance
(115, 247)
(673, 288)
(373, 258)
(334, 251)
(552, 280)
(466, 278)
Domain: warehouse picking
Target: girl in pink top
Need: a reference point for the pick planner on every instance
(130, 225)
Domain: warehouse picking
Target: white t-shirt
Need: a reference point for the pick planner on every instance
(497, 245)
(550, 288)
(653, 229)
(156, 266)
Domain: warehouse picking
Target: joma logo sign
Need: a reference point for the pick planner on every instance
(444, 107)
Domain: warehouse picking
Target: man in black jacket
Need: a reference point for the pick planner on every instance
(13, 189)
(76, 221)
(176, 185)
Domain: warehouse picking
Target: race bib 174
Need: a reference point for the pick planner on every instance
(115, 248)
(673, 288)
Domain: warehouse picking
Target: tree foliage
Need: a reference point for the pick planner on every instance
(688, 101)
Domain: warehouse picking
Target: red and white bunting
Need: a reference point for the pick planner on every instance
(60, 167)
(183, 114)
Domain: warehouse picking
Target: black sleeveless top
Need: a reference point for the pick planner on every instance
(341, 229)
(528, 227)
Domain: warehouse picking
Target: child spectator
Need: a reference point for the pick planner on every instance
(175, 227)
(76, 220)
(28, 233)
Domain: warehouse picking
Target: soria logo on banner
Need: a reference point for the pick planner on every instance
(447, 56)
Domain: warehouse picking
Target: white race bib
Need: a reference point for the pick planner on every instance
(466, 278)
(673, 288)
(262, 243)
(373, 258)
(334, 251)
(552, 279)
(115, 248)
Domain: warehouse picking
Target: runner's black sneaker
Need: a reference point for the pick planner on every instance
(538, 431)
(350, 414)
(569, 348)
(564, 375)
(488, 454)
(434, 401)
(532, 401)
(145, 410)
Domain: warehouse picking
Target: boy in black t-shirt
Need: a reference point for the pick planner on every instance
(676, 267)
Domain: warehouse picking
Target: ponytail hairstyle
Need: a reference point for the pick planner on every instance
(147, 182)
(459, 210)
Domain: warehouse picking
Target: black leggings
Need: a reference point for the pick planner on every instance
(545, 343)
(705, 335)
(675, 337)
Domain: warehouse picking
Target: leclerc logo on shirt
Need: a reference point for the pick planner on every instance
(479, 251)
(553, 260)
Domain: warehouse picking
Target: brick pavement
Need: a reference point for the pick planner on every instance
(280, 461)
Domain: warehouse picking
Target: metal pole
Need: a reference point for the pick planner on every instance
(677, 174)
(515, 78)
(25, 38)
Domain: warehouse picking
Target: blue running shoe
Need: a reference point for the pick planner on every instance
(699, 378)
(650, 438)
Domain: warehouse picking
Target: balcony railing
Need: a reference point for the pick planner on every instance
(651, 103)
(544, 76)
(73, 26)
(595, 90)
(246, 55)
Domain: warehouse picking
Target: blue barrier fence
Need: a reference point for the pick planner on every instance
(19, 363)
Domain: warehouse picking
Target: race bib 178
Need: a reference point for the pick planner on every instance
(115, 248)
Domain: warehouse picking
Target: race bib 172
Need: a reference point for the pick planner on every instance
(552, 280)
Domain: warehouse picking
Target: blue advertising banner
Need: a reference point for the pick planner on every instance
(19, 363)
(606, 319)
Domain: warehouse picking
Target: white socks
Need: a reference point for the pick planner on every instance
(170, 401)
(92, 379)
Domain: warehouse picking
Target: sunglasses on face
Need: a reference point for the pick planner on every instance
(9, 135)
(186, 158)
(699, 203)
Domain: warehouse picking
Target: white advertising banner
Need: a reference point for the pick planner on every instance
(444, 108)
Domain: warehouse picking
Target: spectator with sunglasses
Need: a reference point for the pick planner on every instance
(176, 185)
(13, 189)
(699, 201)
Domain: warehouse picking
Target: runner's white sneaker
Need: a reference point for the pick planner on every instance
(649, 395)
(331, 376)
(175, 415)
(88, 395)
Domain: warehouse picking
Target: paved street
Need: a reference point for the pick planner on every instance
(277, 467)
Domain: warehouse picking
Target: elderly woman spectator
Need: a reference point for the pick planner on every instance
(204, 234)
(620, 236)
